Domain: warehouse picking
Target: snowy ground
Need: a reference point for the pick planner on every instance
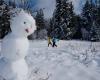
(71, 60)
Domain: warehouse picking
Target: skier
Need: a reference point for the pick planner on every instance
(49, 41)
(54, 40)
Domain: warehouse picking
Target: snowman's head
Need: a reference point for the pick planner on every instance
(23, 24)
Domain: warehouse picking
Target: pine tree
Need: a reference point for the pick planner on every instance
(70, 20)
(86, 14)
(4, 19)
(90, 15)
(40, 22)
(50, 28)
(78, 22)
(63, 18)
(97, 20)
(98, 12)
(95, 29)
(56, 20)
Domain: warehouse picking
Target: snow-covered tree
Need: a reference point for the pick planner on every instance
(50, 28)
(97, 20)
(12, 4)
(86, 14)
(90, 15)
(41, 32)
(95, 28)
(63, 20)
(98, 13)
(40, 20)
(4, 19)
(78, 27)
(56, 20)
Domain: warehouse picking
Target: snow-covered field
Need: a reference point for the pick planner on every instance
(71, 60)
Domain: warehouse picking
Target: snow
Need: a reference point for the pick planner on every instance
(24, 20)
(15, 70)
(71, 60)
(64, 62)
(17, 42)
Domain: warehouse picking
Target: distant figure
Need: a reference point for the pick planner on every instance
(49, 41)
(54, 40)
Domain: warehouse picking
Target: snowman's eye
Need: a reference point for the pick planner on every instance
(24, 22)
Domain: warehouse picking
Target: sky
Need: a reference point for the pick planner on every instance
(49, 6)
(78, 5)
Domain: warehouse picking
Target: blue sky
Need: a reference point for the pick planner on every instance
(78, 4)
(49, 6)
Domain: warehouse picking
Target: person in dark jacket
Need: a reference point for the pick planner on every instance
(54, 40)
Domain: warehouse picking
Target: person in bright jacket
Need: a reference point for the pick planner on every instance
(49, 41)
(54, 40)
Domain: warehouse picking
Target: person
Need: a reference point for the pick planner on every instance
(49, 41)
(54, 40)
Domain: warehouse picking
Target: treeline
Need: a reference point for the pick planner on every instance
(5, 14)
(4, 19)
(65, 24)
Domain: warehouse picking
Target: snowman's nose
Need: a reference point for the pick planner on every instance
(27, 30)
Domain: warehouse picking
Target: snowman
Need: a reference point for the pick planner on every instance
(15, 47)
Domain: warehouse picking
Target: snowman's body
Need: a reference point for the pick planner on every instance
(15, 47)
(15, 70)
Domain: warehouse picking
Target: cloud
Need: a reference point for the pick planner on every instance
(49, 6)
(78, 4)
